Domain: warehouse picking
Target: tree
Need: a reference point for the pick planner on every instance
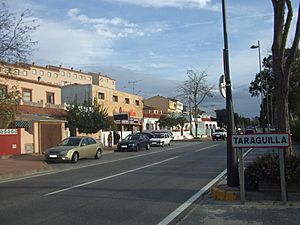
(265, 83)
(181, 121)
(197, 89)
(15, 35)
(87, 118)
(15, 45)
(282, 64)
(166, 121)
(9, 102)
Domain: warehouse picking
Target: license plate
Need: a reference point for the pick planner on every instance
(52, 156)
(154, 143)
(123, 146)
(217, 135)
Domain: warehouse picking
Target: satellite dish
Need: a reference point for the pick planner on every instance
(222, 86)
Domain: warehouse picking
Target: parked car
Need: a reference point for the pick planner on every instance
(134, 142)
(148, 134)
(74, 148)
(165, 131)
(219, 134)
(250, 131)
(161, 139)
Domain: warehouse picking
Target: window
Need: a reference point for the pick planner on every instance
(25, 73)
(89, 78)
(127, 100)
(16, 71)
(3, 91)
(63, 73)
(49, 74)
(106, 80)
(75, 76)
(100, 95)
(34, 72)
(50, 97)
(91, 141)
(27, 95)
(137, 102)
(69, 74)
(42, 73)
(115, 98)
(56, 75)
(84, 77)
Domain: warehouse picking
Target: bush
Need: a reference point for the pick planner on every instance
(266, 168)
(295, 130)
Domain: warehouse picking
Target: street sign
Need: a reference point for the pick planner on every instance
(261, 140)
(121, 116)
(222, 86)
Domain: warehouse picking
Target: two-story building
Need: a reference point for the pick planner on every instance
(167, 105)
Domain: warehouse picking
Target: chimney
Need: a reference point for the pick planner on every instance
(71, 68)
(59, 66)
(33, 63)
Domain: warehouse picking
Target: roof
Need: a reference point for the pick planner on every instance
(51, 112)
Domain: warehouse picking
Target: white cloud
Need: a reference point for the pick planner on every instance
(160, 65)
(199, 4)
(62, 44)
(110, 28)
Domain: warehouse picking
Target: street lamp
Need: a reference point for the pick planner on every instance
(232, 165)
(261, 86)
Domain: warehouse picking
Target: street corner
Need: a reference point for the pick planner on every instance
(224, 193)
(16, 167)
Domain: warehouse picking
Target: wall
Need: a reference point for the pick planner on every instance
(10, 142)
(27, 144)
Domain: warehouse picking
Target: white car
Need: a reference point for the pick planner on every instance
(160, 139)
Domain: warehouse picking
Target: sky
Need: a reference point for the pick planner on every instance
(150, 44)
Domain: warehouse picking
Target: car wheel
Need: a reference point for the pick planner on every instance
(169, 143)
(98, 154)
(162, 144)
(75, 157)
(148, 147)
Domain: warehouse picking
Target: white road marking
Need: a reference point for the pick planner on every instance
(90, 165)
(206, 148)
(191, 200)
(109, 177)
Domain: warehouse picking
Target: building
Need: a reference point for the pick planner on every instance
(112, 100)
(40, 113)
(167, 105)
(151, 116)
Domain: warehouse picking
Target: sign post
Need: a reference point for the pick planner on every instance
(261, 140)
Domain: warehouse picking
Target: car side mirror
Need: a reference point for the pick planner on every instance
(83, 144)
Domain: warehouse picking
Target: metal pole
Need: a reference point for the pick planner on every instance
(261, 87)
(232, 165)
(191, 133)
(241, 175)
(282, 176)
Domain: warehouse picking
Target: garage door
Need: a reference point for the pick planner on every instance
(50, 135)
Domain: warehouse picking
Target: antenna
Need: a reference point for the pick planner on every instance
(133, 82)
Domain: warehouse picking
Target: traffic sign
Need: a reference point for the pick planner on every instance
(261, 140)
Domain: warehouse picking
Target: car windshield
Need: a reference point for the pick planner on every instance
(159, 135)
(70, 142)
(132, 137)
(219, 130)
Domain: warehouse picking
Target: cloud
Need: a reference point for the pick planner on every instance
(160, 65)
(196, 4)
(111, 28)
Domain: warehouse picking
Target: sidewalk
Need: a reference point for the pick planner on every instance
(207, 211)
(24, 165)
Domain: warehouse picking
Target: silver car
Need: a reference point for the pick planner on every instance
(74, 148)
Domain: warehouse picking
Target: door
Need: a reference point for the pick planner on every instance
(50, 135)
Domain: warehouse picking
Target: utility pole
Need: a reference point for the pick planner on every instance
(232, 165)
(133, 82)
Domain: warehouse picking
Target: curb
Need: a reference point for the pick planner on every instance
(219, 192)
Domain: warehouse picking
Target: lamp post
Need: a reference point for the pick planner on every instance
(232, 165)
(261, 87)
(190, 108)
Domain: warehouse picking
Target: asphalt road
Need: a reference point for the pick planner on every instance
(121, 188)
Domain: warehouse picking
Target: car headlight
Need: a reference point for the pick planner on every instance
(132, 144)
(64, 152)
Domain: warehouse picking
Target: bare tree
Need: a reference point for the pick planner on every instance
(15, 35)
(195, 89)
(282, 64)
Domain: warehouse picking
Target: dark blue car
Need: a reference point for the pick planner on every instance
(134, 142)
